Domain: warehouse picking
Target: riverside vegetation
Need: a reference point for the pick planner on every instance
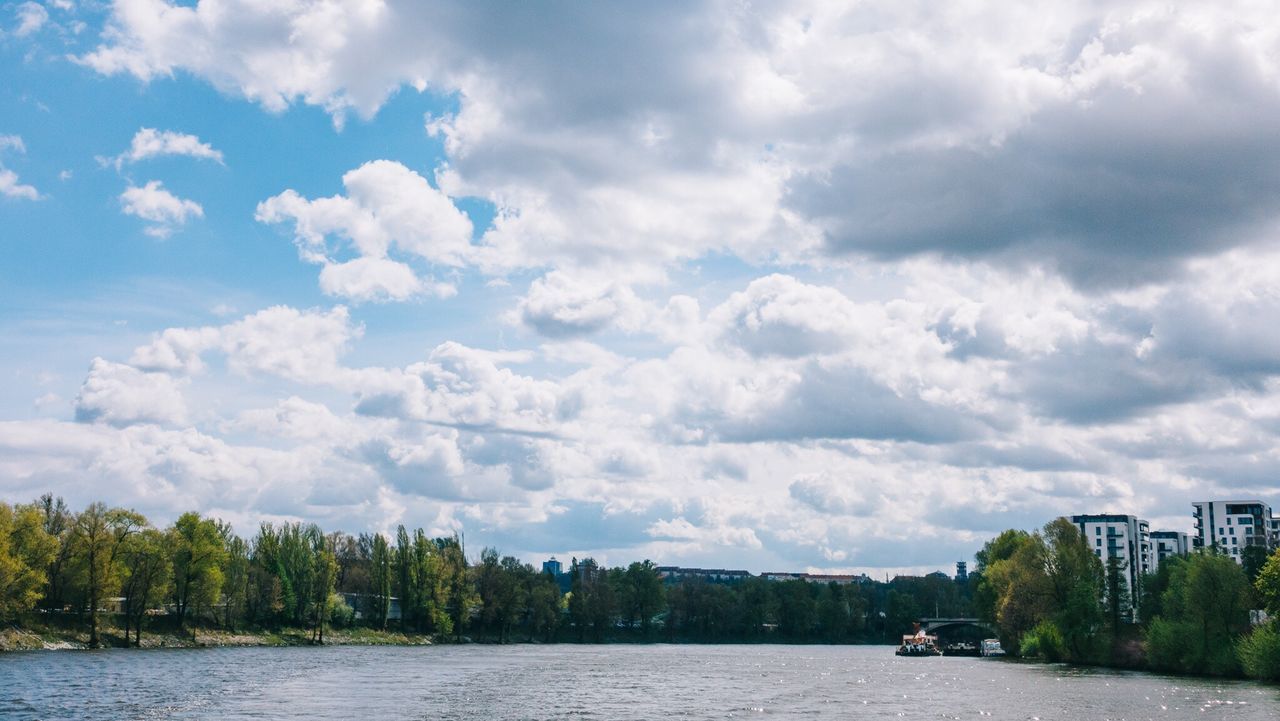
(103, 573)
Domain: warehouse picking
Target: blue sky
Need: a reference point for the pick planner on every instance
(811, 286)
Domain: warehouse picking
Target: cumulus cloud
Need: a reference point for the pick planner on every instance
(164, 210)
(9, 185)
(1100, 140)
(388, 209)
(123, 395)
(303, 346)
(151, 143)
(559, 306)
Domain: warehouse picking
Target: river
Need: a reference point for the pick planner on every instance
(502, 683)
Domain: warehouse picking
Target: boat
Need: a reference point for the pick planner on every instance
(918, 644)
(961, 648)
(992, 647)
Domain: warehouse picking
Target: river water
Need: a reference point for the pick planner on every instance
(594, 682)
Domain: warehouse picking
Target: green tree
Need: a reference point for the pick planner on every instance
(147, 572)
(1117, 594)
(1260, 652)
(1205, 609)
(97, 538)
(57, 520)
(1267, 585)
(1076, 578)
(381, 572)
(545, 606)
(460, 598)
(236, 576)
(323, 576)
(644, 597)
(26, 550)
(1252, 558)
(197, 555)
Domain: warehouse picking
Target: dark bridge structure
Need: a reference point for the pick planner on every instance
(948, 627)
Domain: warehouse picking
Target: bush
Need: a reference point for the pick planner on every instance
(1260, 652)
(340, 614)
(1168, 645)
(1044, 641)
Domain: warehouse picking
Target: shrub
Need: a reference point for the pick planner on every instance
(1260, 652)
(1044, 641)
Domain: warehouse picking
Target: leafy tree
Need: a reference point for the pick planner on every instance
(1076, 578)
(1205, 608)
(1267, 585)
(197, 554)
(57, 520)
(643, 597)
(97, 538)
(1117, 594)
(460, 598)
(147, 574)
(236, 576)
(1260, 652)
(544, 606)
(26, 550)
(323, 576)
(1252, 559)
(380, 579)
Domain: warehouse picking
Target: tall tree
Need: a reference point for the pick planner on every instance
(380, 579)
(26, 550)
(1267, 585)
(57, 520)
(197, 554)
(147, 572)
(1118, 598)
(325, 574)
(97, 538)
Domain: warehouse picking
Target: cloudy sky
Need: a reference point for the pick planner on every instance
(776, 286)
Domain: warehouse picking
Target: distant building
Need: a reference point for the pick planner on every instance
(962, 571)
(1166, 544)
(552, 566)
(675, 574)
(1125, 538)
(842, 579)
(1233, 526)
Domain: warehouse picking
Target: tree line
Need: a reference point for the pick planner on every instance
(1051, 597)
(109, 563)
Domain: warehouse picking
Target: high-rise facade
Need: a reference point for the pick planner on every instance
(1166, 544)
(1126, 539)
(1233, 526)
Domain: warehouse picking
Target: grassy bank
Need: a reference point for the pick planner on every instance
(46, 637)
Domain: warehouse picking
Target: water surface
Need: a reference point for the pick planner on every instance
(595, 682)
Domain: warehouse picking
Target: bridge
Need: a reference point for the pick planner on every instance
(934, 625)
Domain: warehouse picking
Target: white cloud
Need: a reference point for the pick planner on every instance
(9, 185)
(388, 208)
(151, 143)
(303, 346)
(560, 306)
(164, 210)
(31, 17)
(122, 395)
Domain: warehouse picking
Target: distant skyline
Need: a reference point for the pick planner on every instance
(838, 287)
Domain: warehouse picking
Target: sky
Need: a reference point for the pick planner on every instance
(825, 286)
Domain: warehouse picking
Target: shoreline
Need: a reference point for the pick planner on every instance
(14, 639)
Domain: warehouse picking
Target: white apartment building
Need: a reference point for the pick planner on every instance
(1165, 544)
(1233, 526)
(1127, 538)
